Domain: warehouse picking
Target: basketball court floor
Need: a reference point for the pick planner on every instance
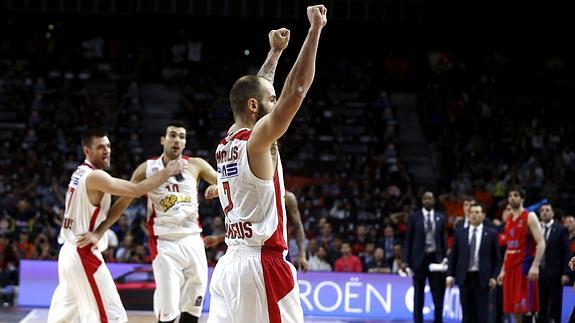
(40, 315)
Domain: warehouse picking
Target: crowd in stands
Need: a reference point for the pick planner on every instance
(489, 127)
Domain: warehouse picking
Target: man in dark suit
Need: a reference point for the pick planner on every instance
(474, 264)
(464, 223)
(554, 269)
(424, 244)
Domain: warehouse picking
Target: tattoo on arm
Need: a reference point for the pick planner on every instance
(268, 71)
(268, 68)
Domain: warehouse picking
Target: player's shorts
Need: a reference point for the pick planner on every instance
(86, 291)
(520, 295)
(181, 274)
(254, 285)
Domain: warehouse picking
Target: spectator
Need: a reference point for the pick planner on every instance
(378, 264)
(318, 260)
(348, 262)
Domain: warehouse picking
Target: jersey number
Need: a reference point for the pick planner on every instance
(172, 188)
(228, 193)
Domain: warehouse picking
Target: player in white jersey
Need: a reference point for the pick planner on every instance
(176, 246)
(253, 282)
(86, 290)
(293, 217)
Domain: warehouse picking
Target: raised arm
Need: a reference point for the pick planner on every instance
(101, 181)
(279, 40)
(114, 214)
(295, 218)
(272, 126)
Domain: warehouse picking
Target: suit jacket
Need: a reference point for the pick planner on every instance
(557, 252)
(489, 256)
(414, 242)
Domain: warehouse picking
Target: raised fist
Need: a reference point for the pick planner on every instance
(279, 38)
(317, 15)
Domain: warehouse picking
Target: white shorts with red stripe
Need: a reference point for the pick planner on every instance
(181, 274)
(254, 285)
(86, 291)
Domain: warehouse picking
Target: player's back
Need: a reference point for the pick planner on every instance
(81, 215)
(254, 208)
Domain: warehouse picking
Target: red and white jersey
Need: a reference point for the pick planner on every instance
(81, 215)
(254, 208)
(173, 206)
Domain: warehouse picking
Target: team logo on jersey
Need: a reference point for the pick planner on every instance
(76, 177)
(154, 170)
(513, 244)
(169, 201)
(520, 223)
(228, 170)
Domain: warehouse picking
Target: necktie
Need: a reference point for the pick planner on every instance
(545, 234)
(428, 231)
(472, 249)
(429, 227)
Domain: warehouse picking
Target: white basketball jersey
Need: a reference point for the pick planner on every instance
(80, 215)
(254, 208)
(173, 206)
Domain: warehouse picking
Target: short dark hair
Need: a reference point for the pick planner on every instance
(92, 133)
(175, 123)
(478, 204)
(246, 87)
(518, 189)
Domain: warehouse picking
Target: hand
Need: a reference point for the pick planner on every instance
(211, 192)
(88, 238)
(212, 241)
(500, 277)
(533, 273)
(176, 166)
(279, 38)
(302, 261)
(572, 263)
(449, 282)
(492, 283)
(565, 280)
(317, 16)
